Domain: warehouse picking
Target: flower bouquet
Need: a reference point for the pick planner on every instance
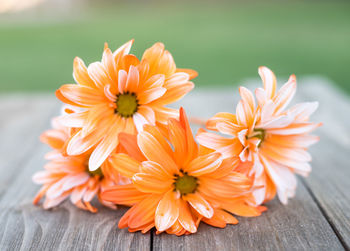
(117, 141)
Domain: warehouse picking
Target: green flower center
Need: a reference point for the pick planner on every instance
(258, 133)
(185, 184)
(127, 104)
(97, 172)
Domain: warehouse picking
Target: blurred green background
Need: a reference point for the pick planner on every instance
(224, 41)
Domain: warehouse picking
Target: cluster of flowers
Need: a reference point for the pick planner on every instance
(116, 141)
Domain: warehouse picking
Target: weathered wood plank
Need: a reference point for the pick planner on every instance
(23, 119)
(317, 218)
(26, 227)
(329, 182)
(298, 226)
(21, 125)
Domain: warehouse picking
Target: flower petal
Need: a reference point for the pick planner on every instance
(164, 113)
(230, 186)
(267, 111)
(143, 213)
(226, 167)
(160, 61)
(242, 209)
(261, 96)
(153, 82)
(269, 80)
(129, 143)
(54, 138)
(79, 144)
(73, 119)
(299, 141)
(278, 122)
(109, 64)
(75, 180)
(106, 146)
(242, 117)
(140, 121)
(204, 164)
(42, 177)
(91, 191)
(285, 94)
(81, 95)
(50, 203)
(124, 49)
(292, 129)
(77, 194)
(303, 111)
(199, 204)
(192, 147)
(97, 116)
(167, 211)
(191, 73)
(177, 137)
(296, 154)
(99, 75)
(285, 160)
(228, 147)
(228, 128)
(282, 177)
(154, 151)
(81, 75)
(185, 217)
(223, 215)
(153, 168)
(150, 95)
(247, 97)
(132, 81)
(221, 117)
(124, 164)
(148, 183)
(129, 60)
(123, 194)
(178, 85)
(122, 77)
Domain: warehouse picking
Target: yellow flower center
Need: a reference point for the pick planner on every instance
(186, 184)
(127, 104)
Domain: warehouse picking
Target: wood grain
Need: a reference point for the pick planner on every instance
(64, 228)
(23, 119)
(301, 225)
(27, 227)
(298, 226)
(329, 182)
(318, 218)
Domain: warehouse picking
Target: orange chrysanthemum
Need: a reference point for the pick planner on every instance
(275, 139)
(121, 94)
(175, 185)
(69, 176)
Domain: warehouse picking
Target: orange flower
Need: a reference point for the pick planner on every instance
(121, 94)
(275, 139)
(175, 185)
(69, 176)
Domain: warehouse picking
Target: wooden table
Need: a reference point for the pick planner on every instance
(318, 218)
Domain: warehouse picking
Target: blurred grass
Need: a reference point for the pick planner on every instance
(225, 42)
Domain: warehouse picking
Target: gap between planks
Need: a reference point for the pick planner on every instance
(194, 105)
(329, 181)
(26, 227)
(312, 88)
